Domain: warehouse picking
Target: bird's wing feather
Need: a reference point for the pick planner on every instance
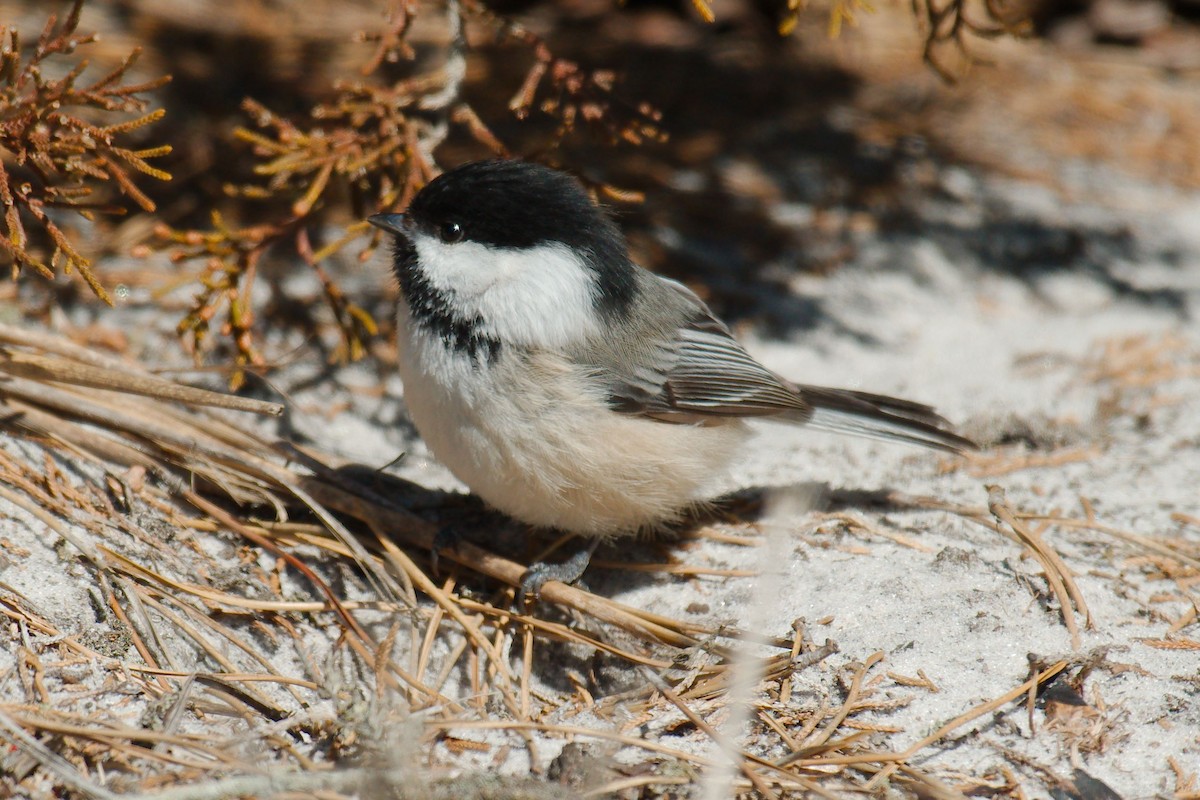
(713, 374)
(695, 371)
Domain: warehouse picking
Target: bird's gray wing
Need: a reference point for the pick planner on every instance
(693, 368)
(713, 375)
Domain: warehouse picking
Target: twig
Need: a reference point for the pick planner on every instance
(36, 367)
(1057, 573)
(51, 761)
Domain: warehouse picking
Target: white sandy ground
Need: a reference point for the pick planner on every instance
(953, 600)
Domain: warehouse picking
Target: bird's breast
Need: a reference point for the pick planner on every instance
(531, 433)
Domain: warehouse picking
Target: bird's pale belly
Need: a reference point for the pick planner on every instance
(533, 439)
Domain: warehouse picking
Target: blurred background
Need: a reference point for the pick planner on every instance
(737, 151)
(990, 206)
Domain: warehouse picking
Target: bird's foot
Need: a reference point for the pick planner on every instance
(447, 538)
(569, 571)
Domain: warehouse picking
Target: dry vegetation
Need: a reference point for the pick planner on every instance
(363, 143)
(142, 493)
(205, 543)
(57, 153)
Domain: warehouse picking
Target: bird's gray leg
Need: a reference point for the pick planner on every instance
(447, 538)
(568, 571)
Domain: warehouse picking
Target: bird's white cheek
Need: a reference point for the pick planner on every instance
(461, 270)
(535, 297)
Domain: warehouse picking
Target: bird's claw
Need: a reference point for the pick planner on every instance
(569, 572)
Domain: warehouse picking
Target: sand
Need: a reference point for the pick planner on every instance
(1077, 368)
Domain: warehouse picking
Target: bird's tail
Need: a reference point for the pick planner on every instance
(879, 417)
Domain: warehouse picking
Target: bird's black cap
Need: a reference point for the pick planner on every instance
(514, 204)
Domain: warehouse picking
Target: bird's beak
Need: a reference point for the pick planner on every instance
(392, 223)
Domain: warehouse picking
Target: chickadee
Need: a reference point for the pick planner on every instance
(569, 387)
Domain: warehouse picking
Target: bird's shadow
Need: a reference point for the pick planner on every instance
(610, 575)
(466, 517)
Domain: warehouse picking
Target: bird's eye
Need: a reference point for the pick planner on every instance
(450, 232)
